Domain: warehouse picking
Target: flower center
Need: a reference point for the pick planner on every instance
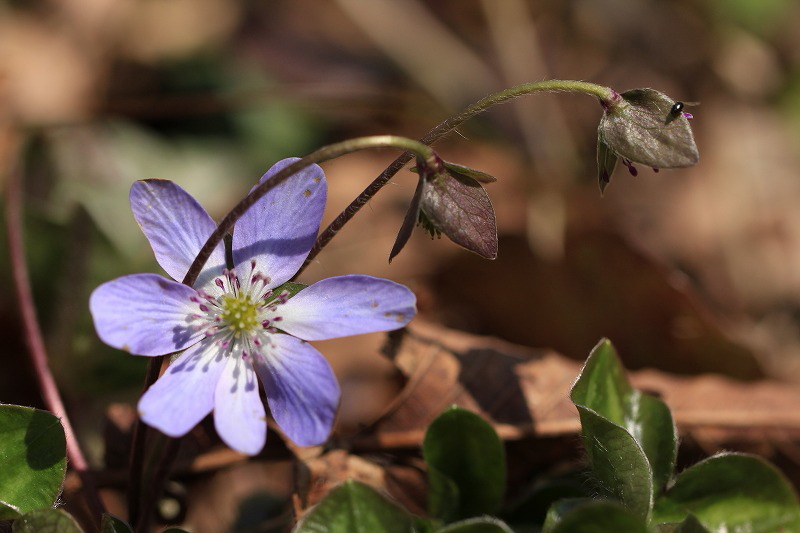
(239, 313)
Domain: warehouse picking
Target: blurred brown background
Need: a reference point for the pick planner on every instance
(689, 271)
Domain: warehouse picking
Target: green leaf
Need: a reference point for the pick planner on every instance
(290, 287)
(690, 525)
(629, 437)
(618, 463)
(353, 507)
(592, 516)
(33, 450)
(112, 524)
(602, 385)
(461, 449)
(645, 417)
(443, 495)
(470, 173)
(732, 492)
(46, 520)
(483, 524)
(654, 430)
(531, 509)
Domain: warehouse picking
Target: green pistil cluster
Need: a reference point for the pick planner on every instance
(239, 313)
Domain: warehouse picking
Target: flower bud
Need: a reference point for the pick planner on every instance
(644, 126)
(449, 199)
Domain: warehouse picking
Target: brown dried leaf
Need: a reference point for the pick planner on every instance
(404, 483)
(524, 392)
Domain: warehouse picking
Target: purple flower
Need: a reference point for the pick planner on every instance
(237, 325)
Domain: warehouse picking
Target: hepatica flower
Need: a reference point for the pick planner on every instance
(238, 326)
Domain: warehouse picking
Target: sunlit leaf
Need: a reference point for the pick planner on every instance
(732, 492)
(45, 521)
(629, 437)
(354, 507)
(33, 450)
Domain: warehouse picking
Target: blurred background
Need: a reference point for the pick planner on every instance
(689, 271)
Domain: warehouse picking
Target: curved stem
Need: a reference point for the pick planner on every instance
(605, 95)
(141, 503)
(323, 154)
(35, 342)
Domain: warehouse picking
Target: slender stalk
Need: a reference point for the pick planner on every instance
(35, 342)
(605, 95)
(323, 154)
(142, 496)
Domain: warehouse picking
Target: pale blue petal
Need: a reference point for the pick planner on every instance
(145, 314)
(347, 305)
(279, 230)
(176, 226)
(302, 391)
(184, 395)
(239, 415)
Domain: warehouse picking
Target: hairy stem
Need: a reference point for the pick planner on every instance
(605, 95)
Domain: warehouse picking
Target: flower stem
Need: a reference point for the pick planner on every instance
(141, 497)
(605, 95)
(323, 154)
(33, 337)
